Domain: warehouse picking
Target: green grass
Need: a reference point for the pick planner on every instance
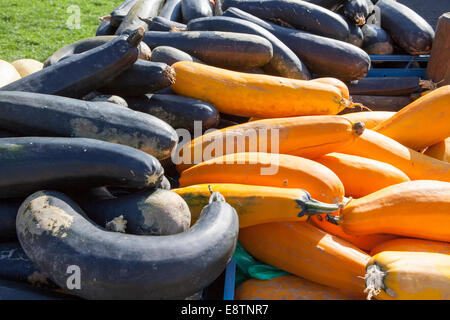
(37, 28)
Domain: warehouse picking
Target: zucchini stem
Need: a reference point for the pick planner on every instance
(313, 207)
(374, 280)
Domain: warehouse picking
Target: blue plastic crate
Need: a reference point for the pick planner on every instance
(407, 71)
(230, 278)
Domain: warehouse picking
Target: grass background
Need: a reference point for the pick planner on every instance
(37, 28)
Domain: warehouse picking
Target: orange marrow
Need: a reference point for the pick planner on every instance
(370, 118)
(440, 150)
(412, 245)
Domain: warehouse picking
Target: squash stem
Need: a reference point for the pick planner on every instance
(313, 207)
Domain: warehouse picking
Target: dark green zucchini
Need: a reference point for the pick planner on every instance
(35, 163)
(178, 111)
(82, 73)
(165, 184)
(156, 212)
(193, 9)
(385, 86)
(98, 97)
(222, 49)
(121, 11)
(379, 103)
(83, 45)
(407, 28)
(376, 40)
(356, 36)
(329, 4)
(356, 11)
(114, 265)
(234, 118)
(323, 56)
(11, 290)
(105, 29)
(35, 114)
(299, 14)
(170, 55)
(284, 62)
(8, 213)
(224, 123)
(8, 134)
(143, 77)
(172, 10)
(163, 24)
(142, 9)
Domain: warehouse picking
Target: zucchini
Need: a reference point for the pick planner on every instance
(82, 73)
(30, 164)
(155, 212)
(8, 213)
(283, 63)
(356, 11)
(170, 55)
(408, 29)
(329, 4)
(323, 56)
(385, 86)
(172, 10)
(11, 290)
(356, 36)
(121, 11)
(143, 77)
(221, 49)
(105, 29)
(106, 98)
(376, 40)
(178, 111)
(165, 184)
(122, 266)
(299, 14)
(46, 115)
(142, 9)
(380, 103)
(193, 9)
(164, 24)
(84, 45)
(8, 134)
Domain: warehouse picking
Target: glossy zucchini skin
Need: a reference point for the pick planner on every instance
(283, 63)
(178, 111)
(385, 86)
(141, 78)
(380, 103)
(36, 114)
(170, 55)
(80, 74)
(156, 212)
(323, 56)
(299, 14)
(105, 29)
(122, 266)
(142, 9)
(329, 4)
(408, 29)
(221, 49)
(172, 10)
(164, 24)
(30, 164)
(357, 11)
(376, 40)
(8, 213)
(121, 11)
(356, 36)
(193, 9)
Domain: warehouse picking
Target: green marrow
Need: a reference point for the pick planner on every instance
(114, 265)
(170, 55)
(284, 62)
(193, 9)
(172, 10)
(357, 11)
(141, 78)
(82, 73)
(385, 86)
(121, 11)
(97, 97)
(407, 28)
(11, 290)
(380, 103)
(155, 212)
(376, 40)
(165, 184)
(142, 9)
(36, 114)
(30, 164)
(323, 56)
(8, 213)
(222, 49)
(105, 29)
(178, 111)
(299, 14)
(163, 24)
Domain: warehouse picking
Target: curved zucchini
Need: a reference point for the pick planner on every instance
(193, 9)
(299, 14)
(376, 40)
(171, 10)
(121, 266)
(385, 86)
(357, 11)
(178, 111)
(323, 56)
(163, 24)
(33, 163)
(408, 29)
(46, 115)
(222, 49)
(94, 96)
(142, 9)
(170, 55)
(105, 29)
(82, 73)
(121, 11)
(8, 213)
(283, 63)
(141, 78)
(156, 212)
